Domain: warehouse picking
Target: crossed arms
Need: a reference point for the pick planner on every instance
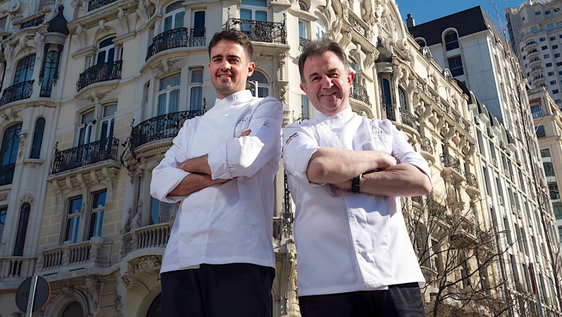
(382, 174)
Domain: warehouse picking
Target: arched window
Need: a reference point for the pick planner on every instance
(9, 153)
(262, 83)
(37, 138)
(51, 66)
(174, 17)
(451, 40)
(24, 70)
(421, 42)
(303, 6)
(387, 100)
(73, 310)
(402, 98)
(22, 229)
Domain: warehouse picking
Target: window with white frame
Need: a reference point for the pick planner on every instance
(319, 29)
(106, 51)
(254, 10)
(84, 220)
(197, 36)
(451, 40)
(305, 107)
(24, 69)
(174, 18)
(97, 214)
(196, 90)
(169, 94)
(87, 122)
(108, 121)
(73, 217)
(258, 78)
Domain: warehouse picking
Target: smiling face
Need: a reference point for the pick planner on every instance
(229, 68)
(327, 83)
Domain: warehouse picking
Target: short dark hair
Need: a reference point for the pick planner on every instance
(319, 47)
(235, 36)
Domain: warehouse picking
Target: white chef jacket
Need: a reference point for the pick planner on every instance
(230, 222)
(345, 241)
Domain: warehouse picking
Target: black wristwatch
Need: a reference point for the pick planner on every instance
(355, 184)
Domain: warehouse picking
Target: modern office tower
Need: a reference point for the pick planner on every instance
(548, 126)
(467, 46)
(535, 35)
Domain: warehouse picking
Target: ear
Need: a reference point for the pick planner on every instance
(350, 77)
(304, 88)
(251, 68)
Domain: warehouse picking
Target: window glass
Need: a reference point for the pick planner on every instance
(73, 220)
(37, 138)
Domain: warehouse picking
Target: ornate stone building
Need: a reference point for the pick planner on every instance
(94, 91)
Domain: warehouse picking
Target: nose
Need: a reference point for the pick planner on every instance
(224, 65)
(326, 82)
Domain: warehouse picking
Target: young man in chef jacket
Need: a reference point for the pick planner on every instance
(346, 174)
(219, 260)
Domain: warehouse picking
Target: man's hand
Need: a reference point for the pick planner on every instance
(245, 133)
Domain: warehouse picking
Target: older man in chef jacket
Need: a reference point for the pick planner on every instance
(346, 174)
(219, 260)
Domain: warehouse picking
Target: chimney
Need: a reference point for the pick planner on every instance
(410, 22)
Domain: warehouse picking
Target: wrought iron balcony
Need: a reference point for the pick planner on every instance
(99, 73)
(17, 92)
(261, 31)
(167, 40)
(7, 174)
(85, 154)
(160, 127)
(33, 22)
(426, 145)
(197, 37)
(359, 92)
(451, 162)
(94, 4)
(471, 180)
(409, 119)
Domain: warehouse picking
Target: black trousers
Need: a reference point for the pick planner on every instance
(229, 290)
(403, 300)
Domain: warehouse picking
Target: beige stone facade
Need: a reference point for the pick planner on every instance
(104, 93)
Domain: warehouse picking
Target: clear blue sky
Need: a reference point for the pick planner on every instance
(428, 10)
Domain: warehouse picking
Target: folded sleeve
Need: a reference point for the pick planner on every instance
(405, 153)
(244, 156)
(167, 175)
(298, 147)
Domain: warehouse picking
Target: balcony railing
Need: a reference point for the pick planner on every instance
(167, 40)
(471, 180)
(197, 37)
(426, 145)
(17, 92)
(409, 119)
(92, 253)
(99, 73)
(451, 162)
(16, 267)
(85, 154)
(160, 127)
(33, 22)
(154, 236)
(7, 174)
(359, 92)
(94, 4)
(261, 31)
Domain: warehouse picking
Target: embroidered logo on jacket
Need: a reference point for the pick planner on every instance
(291, 138)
